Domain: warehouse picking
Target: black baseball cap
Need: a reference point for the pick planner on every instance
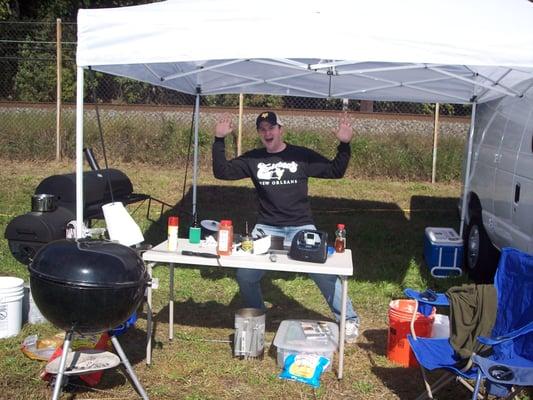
(268, 116)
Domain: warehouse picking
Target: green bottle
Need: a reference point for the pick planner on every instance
(195, 232)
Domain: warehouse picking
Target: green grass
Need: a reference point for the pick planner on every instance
(30, 135)
(385, 221)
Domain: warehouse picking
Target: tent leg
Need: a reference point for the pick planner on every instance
(195, 156)
(466, 184)
(79, 152)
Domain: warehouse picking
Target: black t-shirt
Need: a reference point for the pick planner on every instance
(281, 178)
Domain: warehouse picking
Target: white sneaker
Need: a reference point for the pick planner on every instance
(351, 331)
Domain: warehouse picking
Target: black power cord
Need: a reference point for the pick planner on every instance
(108, 179)
(100, 130)
(194, 111)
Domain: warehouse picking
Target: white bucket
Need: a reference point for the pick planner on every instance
(11, 295)
(441, 326)
(30, 311)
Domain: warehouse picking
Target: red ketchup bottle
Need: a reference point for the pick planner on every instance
(225, 238)
(340, 238)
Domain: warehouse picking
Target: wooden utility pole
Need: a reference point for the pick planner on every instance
(59, 70)
(239, 133)
(435, 137)
(367, 106)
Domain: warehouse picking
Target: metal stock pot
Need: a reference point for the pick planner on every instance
(43, 202)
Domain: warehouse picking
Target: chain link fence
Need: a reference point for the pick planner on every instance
(28, 94)
(28, 67)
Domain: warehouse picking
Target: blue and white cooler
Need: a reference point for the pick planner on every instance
(443, 252)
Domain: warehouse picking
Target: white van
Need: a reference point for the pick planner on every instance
(500, 197)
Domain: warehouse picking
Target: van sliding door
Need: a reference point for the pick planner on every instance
(522, 209)
(485, 160)
(504, 180)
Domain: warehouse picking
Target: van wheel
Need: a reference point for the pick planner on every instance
(481, 257)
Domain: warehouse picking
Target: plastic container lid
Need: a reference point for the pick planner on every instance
(89, 263)
(226, 222)
(173, 221)
(318, 336)
(443, 236)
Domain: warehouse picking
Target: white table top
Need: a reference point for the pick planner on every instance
(336, 264)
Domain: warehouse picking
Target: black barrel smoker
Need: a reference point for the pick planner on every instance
(27, 233)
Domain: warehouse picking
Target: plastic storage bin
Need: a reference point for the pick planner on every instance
(443, 252)
(306, 337)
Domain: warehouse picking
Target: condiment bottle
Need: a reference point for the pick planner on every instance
(195, 232)
(340, 238)
(225, 238)
(247, 244)
(173, 223)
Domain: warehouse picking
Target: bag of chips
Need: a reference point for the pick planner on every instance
(305, 368)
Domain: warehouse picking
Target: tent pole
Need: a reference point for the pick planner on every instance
(239, 132)
(195, 156)
(59, 80)
(435, 139)
(466, 184)
(79, 152)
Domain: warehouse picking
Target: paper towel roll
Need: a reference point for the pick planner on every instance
(120, 225)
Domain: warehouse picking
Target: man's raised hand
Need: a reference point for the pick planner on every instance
(344, 131)
(224, 126)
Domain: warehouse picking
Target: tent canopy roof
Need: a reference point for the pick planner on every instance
(414, 50)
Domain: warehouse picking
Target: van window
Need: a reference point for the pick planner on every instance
(514, 129)
(484, 115)
(527, 140)
(495, 131)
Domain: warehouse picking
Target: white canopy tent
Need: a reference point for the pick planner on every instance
(414, 50)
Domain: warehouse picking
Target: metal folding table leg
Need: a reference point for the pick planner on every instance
(342, 325)
(149, 315)
(171, 304)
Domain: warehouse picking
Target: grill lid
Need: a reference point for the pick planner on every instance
(89, 263)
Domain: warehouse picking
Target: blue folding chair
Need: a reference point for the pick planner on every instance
(509, 367)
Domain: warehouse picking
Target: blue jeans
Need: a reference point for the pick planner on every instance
(330, 285)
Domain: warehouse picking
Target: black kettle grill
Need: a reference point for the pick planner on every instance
(88, 286)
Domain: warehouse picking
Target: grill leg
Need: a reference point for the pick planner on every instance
(128, 367)
(62, 365)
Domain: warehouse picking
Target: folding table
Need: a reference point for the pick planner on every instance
(337, 264)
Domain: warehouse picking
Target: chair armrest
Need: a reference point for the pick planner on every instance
(508, 336)
(504, 372)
